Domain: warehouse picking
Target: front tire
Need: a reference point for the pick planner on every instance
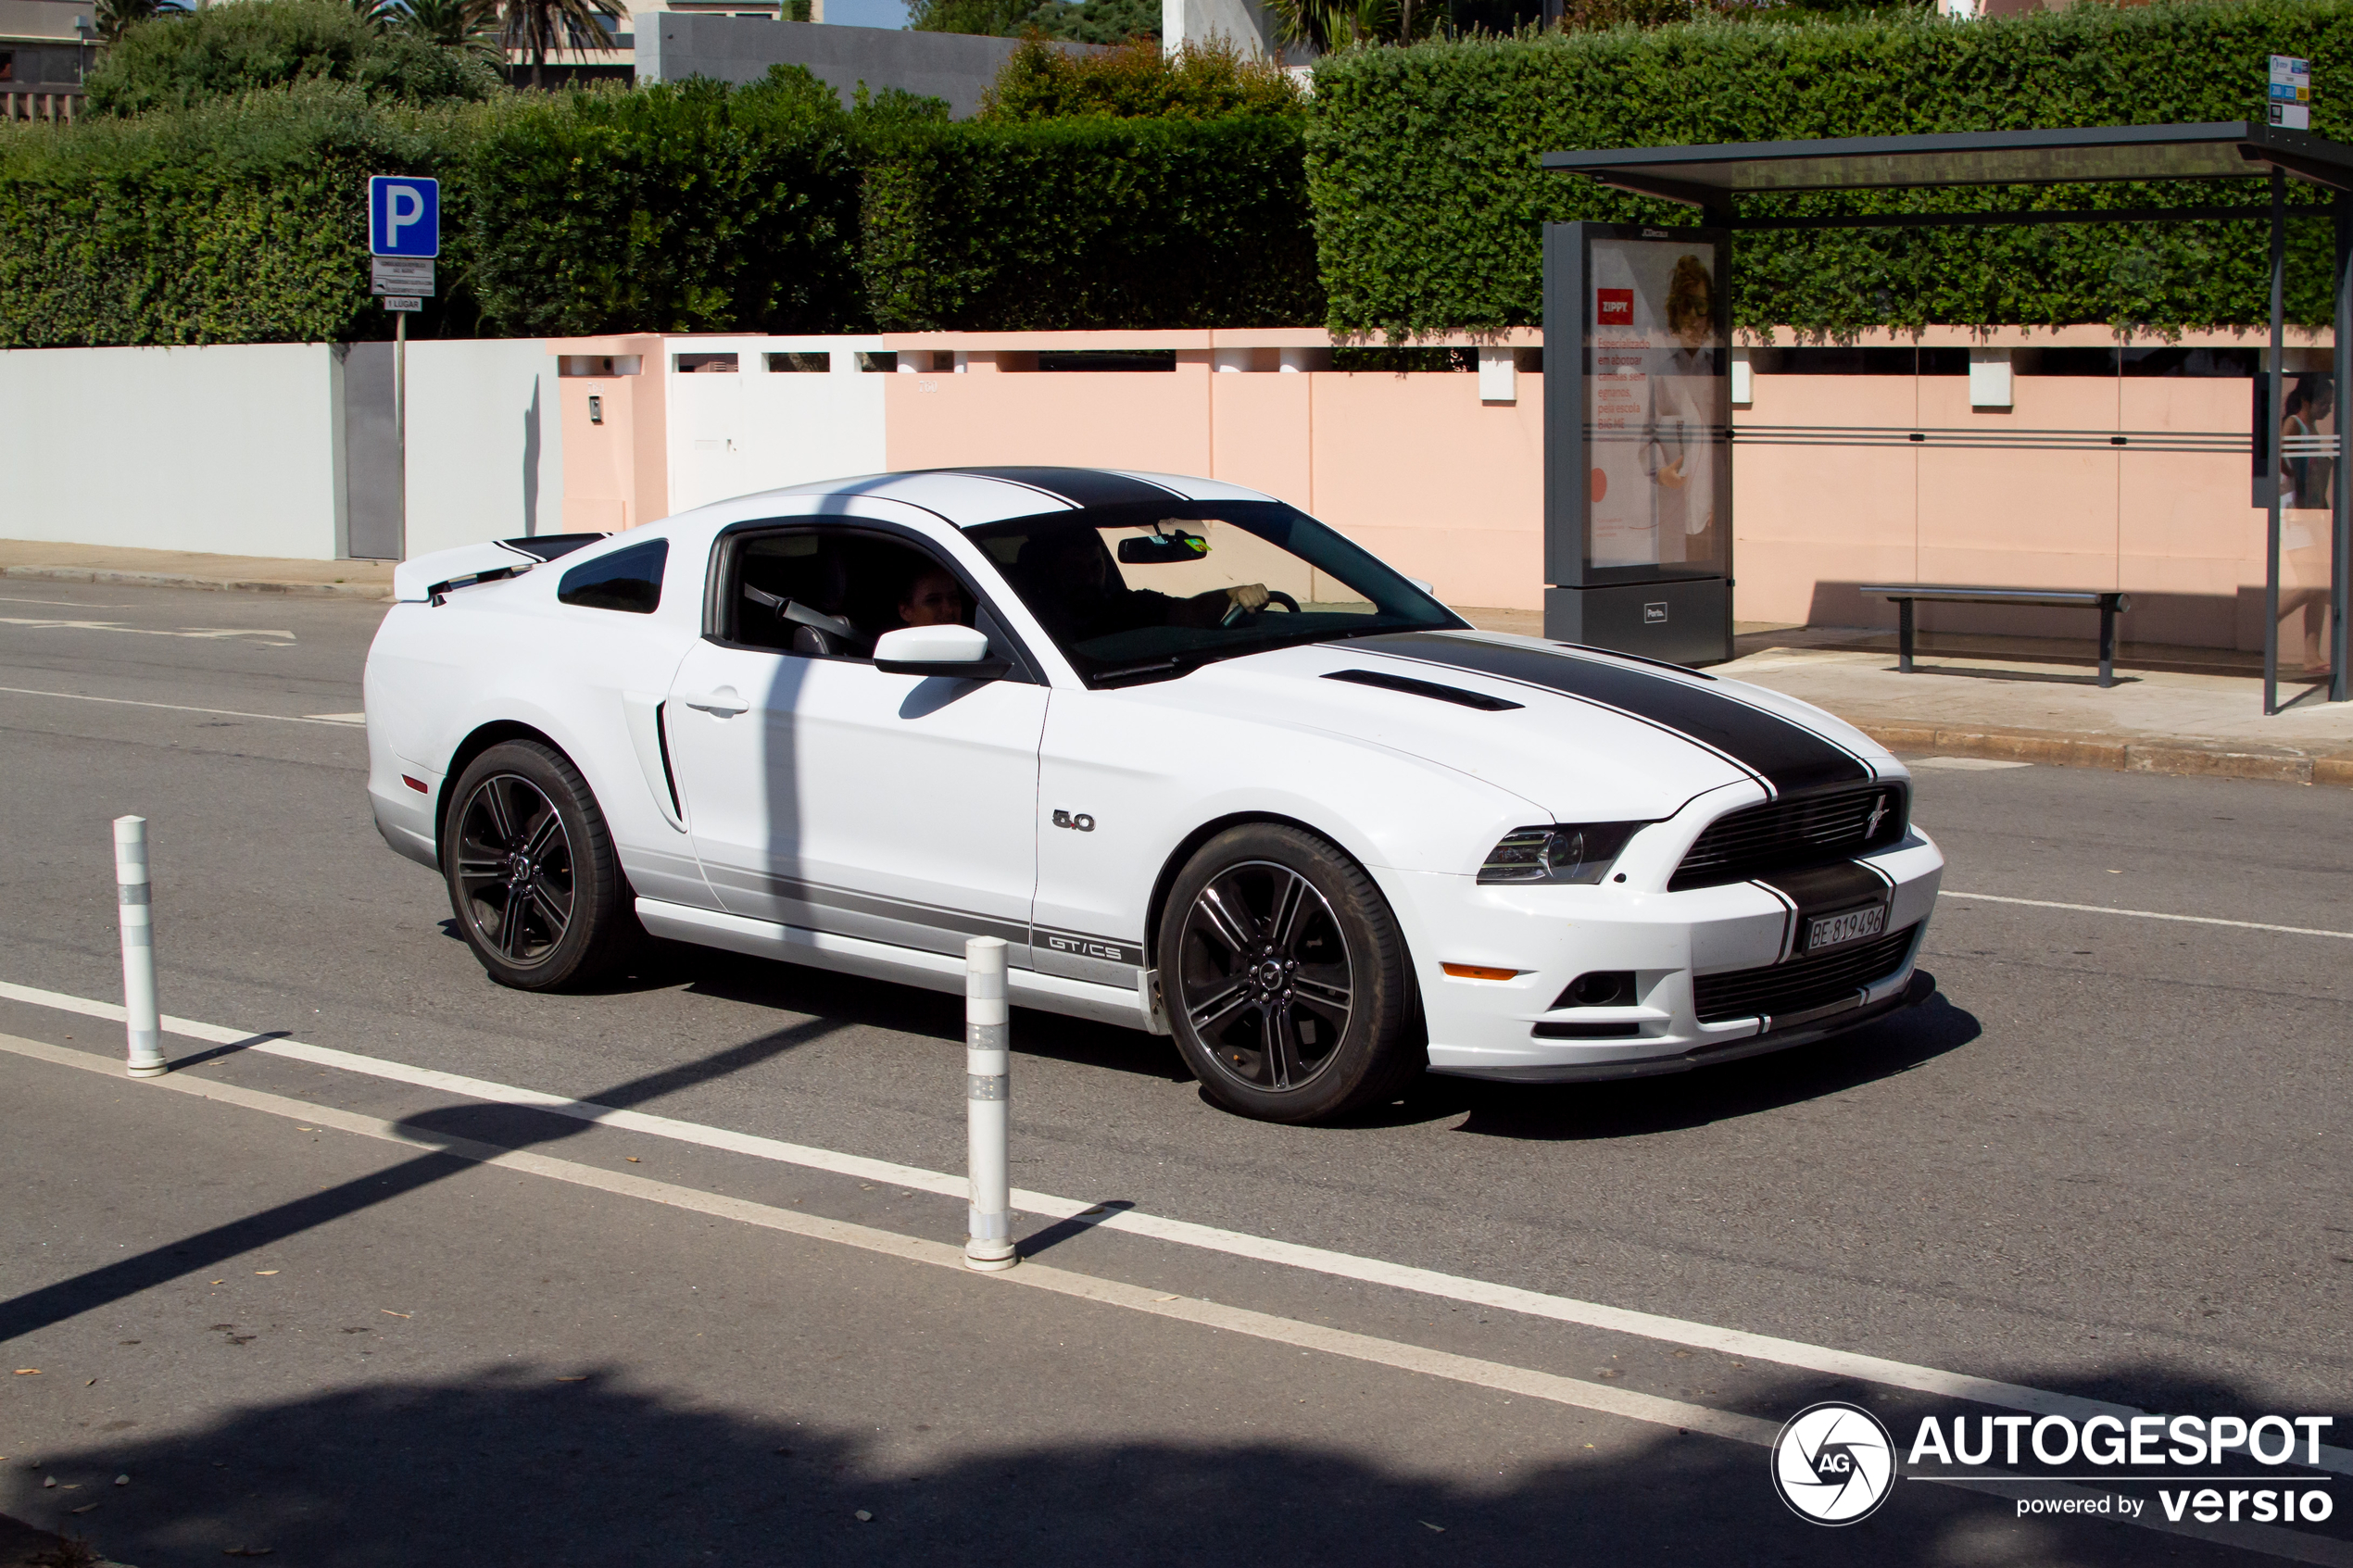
(533, 882)
(1285, 977)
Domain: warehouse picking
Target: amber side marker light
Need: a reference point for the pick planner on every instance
(1479, 972)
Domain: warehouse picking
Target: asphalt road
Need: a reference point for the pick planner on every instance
(2107, 1161)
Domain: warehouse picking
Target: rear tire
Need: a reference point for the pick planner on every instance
(533, 878)
(1285, 977)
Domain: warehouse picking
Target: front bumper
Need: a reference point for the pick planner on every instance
(1509, 1029)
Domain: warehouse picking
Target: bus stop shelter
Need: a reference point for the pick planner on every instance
(1638, 447)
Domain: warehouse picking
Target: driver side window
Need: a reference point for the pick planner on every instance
(825, 591)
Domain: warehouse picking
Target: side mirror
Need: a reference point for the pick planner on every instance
(958, 651)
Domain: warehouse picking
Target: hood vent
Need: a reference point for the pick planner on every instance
(1412, 687)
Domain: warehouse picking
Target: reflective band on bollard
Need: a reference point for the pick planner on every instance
(988, 1062)
(144, 1029)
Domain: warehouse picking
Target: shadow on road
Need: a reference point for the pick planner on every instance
(508, 1465)
(505, 1126)
(1639, 1107)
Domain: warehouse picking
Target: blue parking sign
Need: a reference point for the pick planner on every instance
(404, 216)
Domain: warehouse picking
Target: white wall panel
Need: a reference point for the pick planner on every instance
(229, 449)
(485, 443)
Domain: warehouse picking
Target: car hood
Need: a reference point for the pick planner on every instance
(1588, 736)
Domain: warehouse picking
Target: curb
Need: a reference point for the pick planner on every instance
(2118, 756)
(368, 590)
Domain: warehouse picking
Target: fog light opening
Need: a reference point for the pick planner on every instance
(1599, 988)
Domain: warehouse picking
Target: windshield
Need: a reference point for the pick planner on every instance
(1144, 593)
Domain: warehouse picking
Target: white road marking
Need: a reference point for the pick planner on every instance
(178, 707)
(61, 604)
(337, 718)
(208, 633)
(1966, 764)
(1733, 1342)
(1398, 1355)
(2148, 914)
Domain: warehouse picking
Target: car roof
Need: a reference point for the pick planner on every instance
(968, 497)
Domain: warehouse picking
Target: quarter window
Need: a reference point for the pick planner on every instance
(626, 580)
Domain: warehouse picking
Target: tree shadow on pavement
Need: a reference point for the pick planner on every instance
(509, 1466)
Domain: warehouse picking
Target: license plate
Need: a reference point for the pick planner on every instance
(1835, 931)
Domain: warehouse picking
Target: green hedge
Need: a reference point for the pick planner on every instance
(240, 222)
(686, 208)
(1429, 199)
(1093, 222)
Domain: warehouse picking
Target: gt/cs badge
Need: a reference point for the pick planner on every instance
(1081, 820)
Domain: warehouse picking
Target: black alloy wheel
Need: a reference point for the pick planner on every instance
(514, 868)
(1285, 978)
(533, 879)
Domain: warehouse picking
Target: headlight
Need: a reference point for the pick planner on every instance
(1580, 852)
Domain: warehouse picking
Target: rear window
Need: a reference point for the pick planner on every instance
(626, 580)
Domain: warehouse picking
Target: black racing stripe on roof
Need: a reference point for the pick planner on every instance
(1080, 488)
(1786, 755)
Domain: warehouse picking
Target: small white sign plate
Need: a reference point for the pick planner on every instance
(401, 275)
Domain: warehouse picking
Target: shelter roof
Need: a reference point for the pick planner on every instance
(1710, 176)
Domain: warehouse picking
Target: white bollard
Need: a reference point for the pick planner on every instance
(987, 1077)
(135, 903)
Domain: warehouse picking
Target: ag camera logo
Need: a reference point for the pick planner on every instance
(1833, 1463)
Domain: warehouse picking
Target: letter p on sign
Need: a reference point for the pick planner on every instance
(404, 216)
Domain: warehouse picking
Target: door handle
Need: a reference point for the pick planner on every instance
(722, 702)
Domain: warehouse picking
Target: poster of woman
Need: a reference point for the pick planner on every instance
(1658, 408)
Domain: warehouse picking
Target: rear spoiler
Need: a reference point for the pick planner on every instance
(428, 578)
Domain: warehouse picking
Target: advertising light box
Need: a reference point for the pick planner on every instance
(1638, 474)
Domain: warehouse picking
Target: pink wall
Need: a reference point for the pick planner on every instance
(1414, 466)
(615, 472)
(1449, 488)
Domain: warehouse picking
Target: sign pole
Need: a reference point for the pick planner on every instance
(2341, 505)
(2272, 442)
(401, 420)
(404, 236)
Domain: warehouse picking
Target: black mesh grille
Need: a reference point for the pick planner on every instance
(1804, 830)
(1801, 983)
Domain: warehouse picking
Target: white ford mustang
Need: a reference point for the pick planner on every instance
(1210, 769)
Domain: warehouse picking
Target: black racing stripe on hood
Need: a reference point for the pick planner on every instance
(1080, 488)
(1786, 755)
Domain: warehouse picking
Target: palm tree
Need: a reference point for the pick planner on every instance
(545, 27)
(378, 14)
(1329, 25)
(469, 27)
(114, 16)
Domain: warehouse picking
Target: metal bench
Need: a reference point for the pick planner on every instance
(1904, 593)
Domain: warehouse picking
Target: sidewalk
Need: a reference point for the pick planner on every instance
(2024, 699)
(2172, 709)
(21, 559)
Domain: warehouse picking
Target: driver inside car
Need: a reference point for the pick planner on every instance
(1084, 597)
(933, 597)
